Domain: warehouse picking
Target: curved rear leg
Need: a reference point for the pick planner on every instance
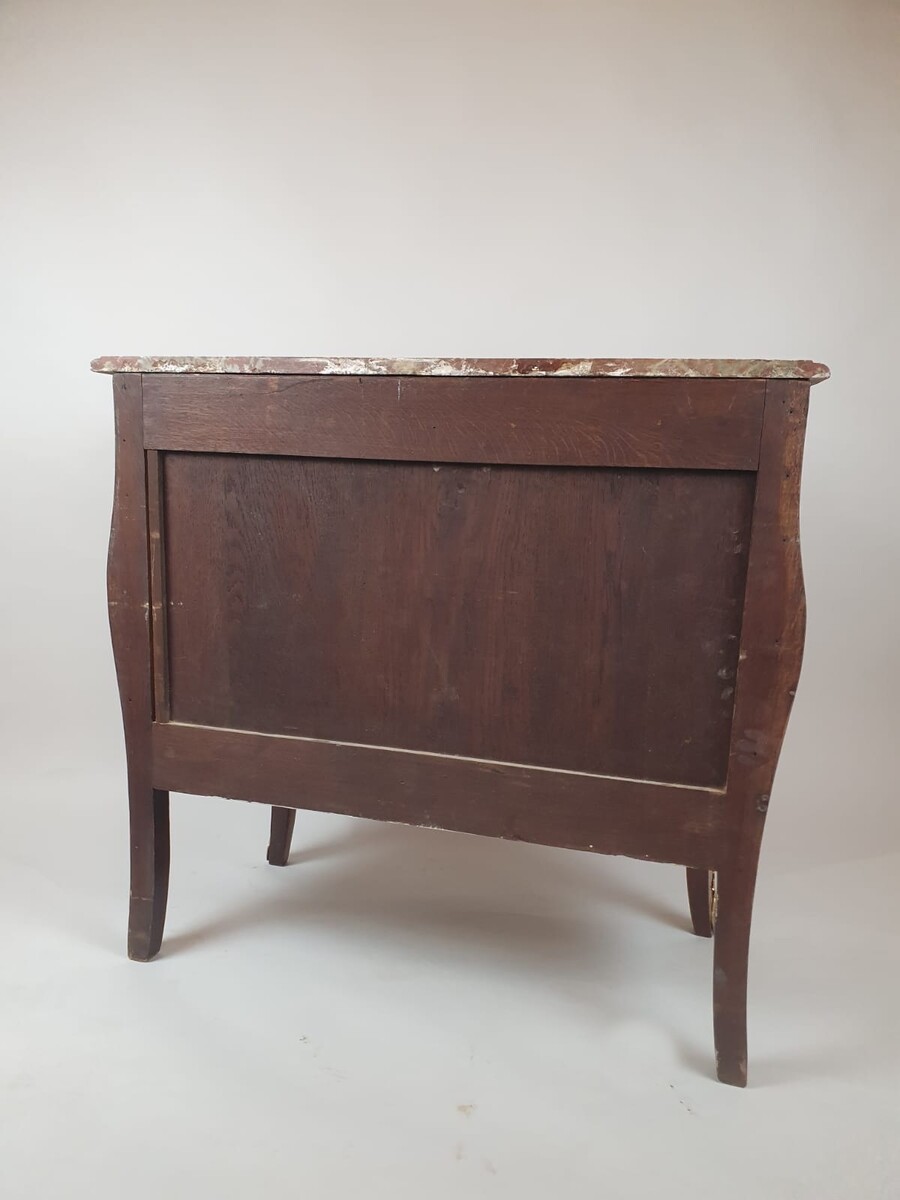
(128, 587)
(701, 885)
(149, 871)
(730, 958)
(282, 830)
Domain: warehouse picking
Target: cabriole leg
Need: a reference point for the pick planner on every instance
(735, 888)
(701, 898)
(149, 872)
(282, 831)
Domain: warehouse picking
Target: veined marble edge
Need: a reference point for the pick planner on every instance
(673, 368)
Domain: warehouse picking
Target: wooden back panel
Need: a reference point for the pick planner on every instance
(585, 619)
(327, 629)
(547, 572)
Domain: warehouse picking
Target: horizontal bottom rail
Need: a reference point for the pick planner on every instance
(648, 820)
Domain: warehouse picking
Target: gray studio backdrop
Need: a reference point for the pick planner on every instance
(502, 178)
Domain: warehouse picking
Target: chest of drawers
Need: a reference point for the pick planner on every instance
(559, 602)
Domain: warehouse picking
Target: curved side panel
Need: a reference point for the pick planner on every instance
(769, 668)
(128, 592)
(775, 610)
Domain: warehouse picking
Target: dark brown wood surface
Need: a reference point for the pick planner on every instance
(771, 654)
(706, 423)
(555, 808)
(158, 591)
(700, 900)
(128, 590)
(282, 830)
(563, 617)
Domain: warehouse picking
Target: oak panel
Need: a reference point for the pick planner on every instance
(612, 816)
(585, 619)
(708, 423)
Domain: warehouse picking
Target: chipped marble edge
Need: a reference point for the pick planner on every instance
(684, 368)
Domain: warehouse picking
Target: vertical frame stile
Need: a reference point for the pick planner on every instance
(771, 651)
(157, 567)
(128, 589)
(127, 578)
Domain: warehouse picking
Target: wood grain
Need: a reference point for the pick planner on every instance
(771, 655)
(158, 622)
(128, 590)
(613, 816)
(564, 617)
(709, 424)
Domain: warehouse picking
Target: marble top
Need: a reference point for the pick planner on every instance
(641, 368)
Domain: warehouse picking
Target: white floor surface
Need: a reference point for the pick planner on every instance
(406, 1013)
